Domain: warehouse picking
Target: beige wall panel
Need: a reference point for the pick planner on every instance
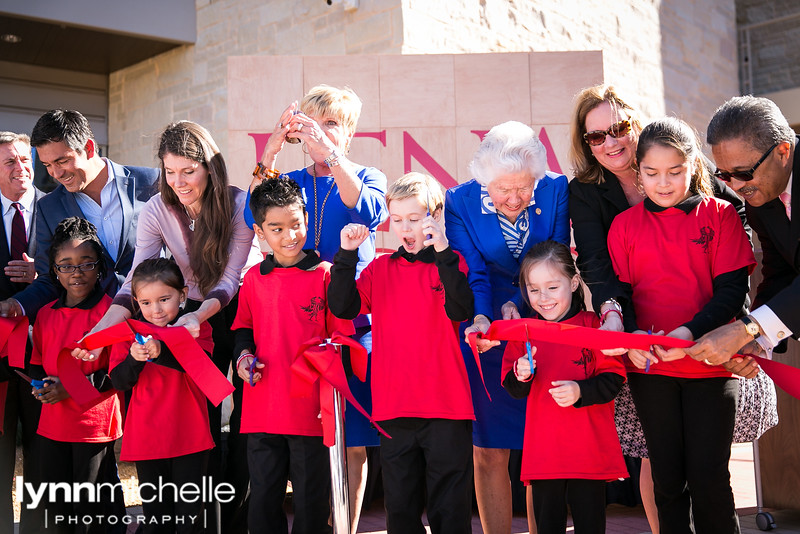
(491, 88)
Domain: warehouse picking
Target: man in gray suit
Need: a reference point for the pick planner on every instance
(18, 197)
(107, 194)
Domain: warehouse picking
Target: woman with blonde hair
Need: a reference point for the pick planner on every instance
(337, 192)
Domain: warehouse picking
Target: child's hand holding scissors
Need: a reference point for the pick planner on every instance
(643, 358)
(247, 369)
(52, 392)
(668, 355)
(434, 234)
(145, 349)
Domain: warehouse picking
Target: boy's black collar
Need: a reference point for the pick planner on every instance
(86, 304)
(309, 263)
(686, 206)
(425, 255)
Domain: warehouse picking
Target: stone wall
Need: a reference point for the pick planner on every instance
(674, 56)
(190, 81)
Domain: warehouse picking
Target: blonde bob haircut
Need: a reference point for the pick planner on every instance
(584, 165)
(422, 186)
(508, 148)
(326, 101)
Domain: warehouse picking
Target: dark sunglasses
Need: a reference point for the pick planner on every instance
(616, 130)
(744, 176)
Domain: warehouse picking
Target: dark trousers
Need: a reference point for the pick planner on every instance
(186, 517)
(94, 463)
(688, 427)
(21, 411)
(227, 463)
(433, 456)
(586, 500)
(275, 458)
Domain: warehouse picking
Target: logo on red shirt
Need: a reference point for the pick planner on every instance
(705, 239)
(314, 308)
(585, 361)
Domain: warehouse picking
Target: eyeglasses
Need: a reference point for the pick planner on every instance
(744, 176)
(83, 267)
(616, 130)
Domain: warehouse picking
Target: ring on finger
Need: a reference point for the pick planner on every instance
(707, 362)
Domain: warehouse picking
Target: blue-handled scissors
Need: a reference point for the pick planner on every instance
(36, 384)
(141, 340)
(428, 206)
(252, 369)
(647, 363)
(529, 350)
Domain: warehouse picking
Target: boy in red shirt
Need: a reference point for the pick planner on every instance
(420, 391)
(282, 305)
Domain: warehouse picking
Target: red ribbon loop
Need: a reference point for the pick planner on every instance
(13, 338)
(473, 338)
(319, 359)
(187, 351)
(785, 376)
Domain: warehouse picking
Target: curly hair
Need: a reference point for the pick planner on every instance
(75, 228)
(208, 250)
(275, 193)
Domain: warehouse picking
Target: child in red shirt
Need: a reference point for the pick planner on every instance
(76, 445)
(420, 391)
(686, 259)
(571, 446)
(282, 305)
(167, 429)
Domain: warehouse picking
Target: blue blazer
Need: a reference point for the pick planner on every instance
(135, 186)
(493, 270)
(7, 287)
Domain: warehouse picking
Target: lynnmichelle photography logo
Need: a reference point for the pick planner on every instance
(34, 495)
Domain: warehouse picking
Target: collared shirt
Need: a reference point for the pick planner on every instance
(26, 206)
(106, 217)
(773, 330)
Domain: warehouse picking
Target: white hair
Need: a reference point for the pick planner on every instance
(510, 147)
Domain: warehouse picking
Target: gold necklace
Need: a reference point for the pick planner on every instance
(318, 219)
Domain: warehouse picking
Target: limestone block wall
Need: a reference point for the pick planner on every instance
(672, 56)
(190, 82)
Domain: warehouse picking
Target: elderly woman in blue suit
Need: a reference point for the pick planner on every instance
(511, 203)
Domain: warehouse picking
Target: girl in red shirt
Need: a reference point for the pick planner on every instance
(571, 446)
(76, 445)
(167, 429)
(685, 258)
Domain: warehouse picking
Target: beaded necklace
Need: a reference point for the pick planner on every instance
(318, 218)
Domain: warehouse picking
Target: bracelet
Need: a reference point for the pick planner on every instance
(605, 314)
(333, 159)
(261, 171)
(242, 357)
(517, 376)
(613, 302)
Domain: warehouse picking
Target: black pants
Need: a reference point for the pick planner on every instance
(275, 458)
(227, 463)
(185, 517)
(586, 500)
(81, 462)
(433, 455)
(688, 427)
(21, 411)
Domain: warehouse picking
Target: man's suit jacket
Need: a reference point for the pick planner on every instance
(7, 287)
(135, 186)
(780, 245)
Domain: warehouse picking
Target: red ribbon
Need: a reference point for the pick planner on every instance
(214, 385)
(785, 376)
(319, 359)
(13, 338)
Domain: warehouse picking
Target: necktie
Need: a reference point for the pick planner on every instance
(786, 198)
(19, 238)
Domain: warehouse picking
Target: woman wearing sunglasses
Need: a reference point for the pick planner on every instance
(604, 134)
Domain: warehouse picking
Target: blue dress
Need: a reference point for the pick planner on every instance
(370, 210)
(494, 279)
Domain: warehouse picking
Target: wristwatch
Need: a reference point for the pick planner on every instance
(751, 326)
